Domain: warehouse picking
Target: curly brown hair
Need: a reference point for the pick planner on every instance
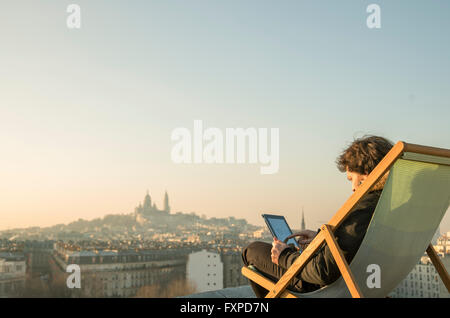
(364, 154)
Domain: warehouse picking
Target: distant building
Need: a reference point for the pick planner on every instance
(303, 221)
(232, 265)
(424, 281)
(114, 273)
(166, 203)
(442, 247)
(443, 292)
(37, 255)
(205, 271)
(443, 244)
(12, 274)
(421, 282)
(258, 234)
(148, 211)
(213, 270)
(148, 208)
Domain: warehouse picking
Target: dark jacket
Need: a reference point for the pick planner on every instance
(322, 269)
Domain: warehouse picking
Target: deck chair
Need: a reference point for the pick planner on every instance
(412, 204)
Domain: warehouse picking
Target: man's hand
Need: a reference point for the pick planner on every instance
(277, 248)
(305, 236)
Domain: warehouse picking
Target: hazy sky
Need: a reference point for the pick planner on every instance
(86, 115)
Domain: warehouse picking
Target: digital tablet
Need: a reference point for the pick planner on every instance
(279, 228)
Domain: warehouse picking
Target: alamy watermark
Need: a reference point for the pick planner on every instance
(74, 279)
(374, 279)
(73, 21)
(234, 146)
(373, 21)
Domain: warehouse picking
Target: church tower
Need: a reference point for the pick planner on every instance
(303, 220)
(147, 203)
(166, 203)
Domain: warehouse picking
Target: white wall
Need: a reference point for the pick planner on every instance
(205, 270)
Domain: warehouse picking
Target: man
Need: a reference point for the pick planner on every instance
(272, 260)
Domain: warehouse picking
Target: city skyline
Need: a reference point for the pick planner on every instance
(149, 204)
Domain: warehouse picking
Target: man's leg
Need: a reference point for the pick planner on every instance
(258, 254)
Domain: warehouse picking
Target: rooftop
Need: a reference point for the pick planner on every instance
(10, 256)
(233, 292)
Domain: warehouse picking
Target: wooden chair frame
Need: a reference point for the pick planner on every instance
(326, 234)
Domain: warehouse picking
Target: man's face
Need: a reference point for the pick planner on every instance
(356, 179)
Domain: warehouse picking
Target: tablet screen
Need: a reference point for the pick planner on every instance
(279, 228)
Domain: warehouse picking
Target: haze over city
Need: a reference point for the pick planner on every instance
(86, 116)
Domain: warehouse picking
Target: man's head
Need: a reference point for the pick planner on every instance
(361, 157)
